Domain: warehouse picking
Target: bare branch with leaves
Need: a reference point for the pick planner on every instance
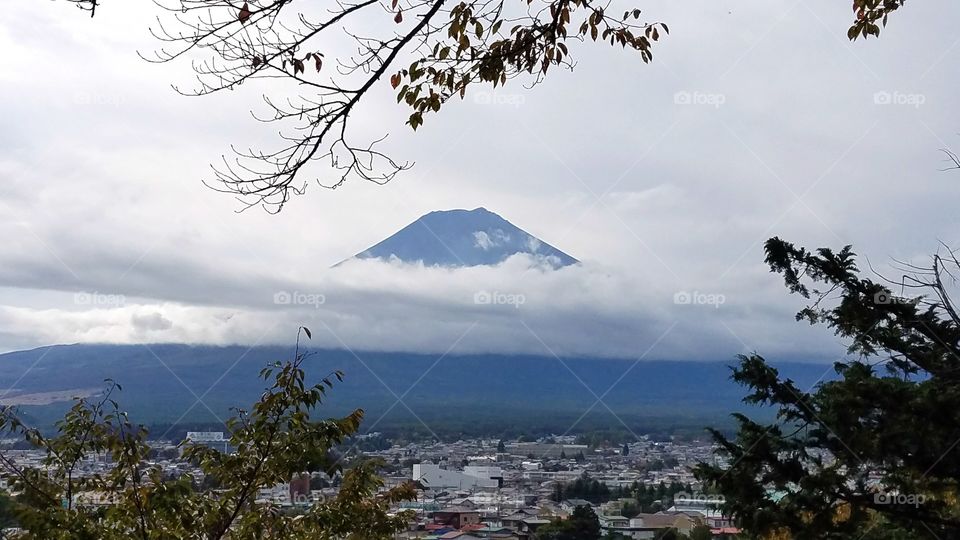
(429, 51)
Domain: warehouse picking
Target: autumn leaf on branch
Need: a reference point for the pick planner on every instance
(244, 14)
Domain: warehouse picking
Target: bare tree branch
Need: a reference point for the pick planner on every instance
(429, 51)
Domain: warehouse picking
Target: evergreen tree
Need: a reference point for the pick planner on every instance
(558, 492)
(873, 452)
(583, 524)
(700, 532)
(629, 509)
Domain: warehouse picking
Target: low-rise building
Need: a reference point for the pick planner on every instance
(456, 517)
(431, 476)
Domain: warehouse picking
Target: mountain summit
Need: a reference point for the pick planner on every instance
(463, 238)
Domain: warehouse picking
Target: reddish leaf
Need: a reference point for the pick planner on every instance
(317, 61)
(395, 80)
(244, 13)
(394, 4)
(256, 61)
(399, 18)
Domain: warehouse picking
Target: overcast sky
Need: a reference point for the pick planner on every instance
(752, 121)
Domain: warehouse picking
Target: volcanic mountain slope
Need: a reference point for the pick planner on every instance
(184, 383)
(458, 238)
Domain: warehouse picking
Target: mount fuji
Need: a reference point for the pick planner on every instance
(459, 238)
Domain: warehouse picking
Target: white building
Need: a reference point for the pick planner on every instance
(546, 450)
(708, 507)
(486, 472)
(210, 439)
(472, 477)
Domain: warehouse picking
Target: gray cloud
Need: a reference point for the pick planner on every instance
(753, 121)
(151, 322)
(516, 307)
